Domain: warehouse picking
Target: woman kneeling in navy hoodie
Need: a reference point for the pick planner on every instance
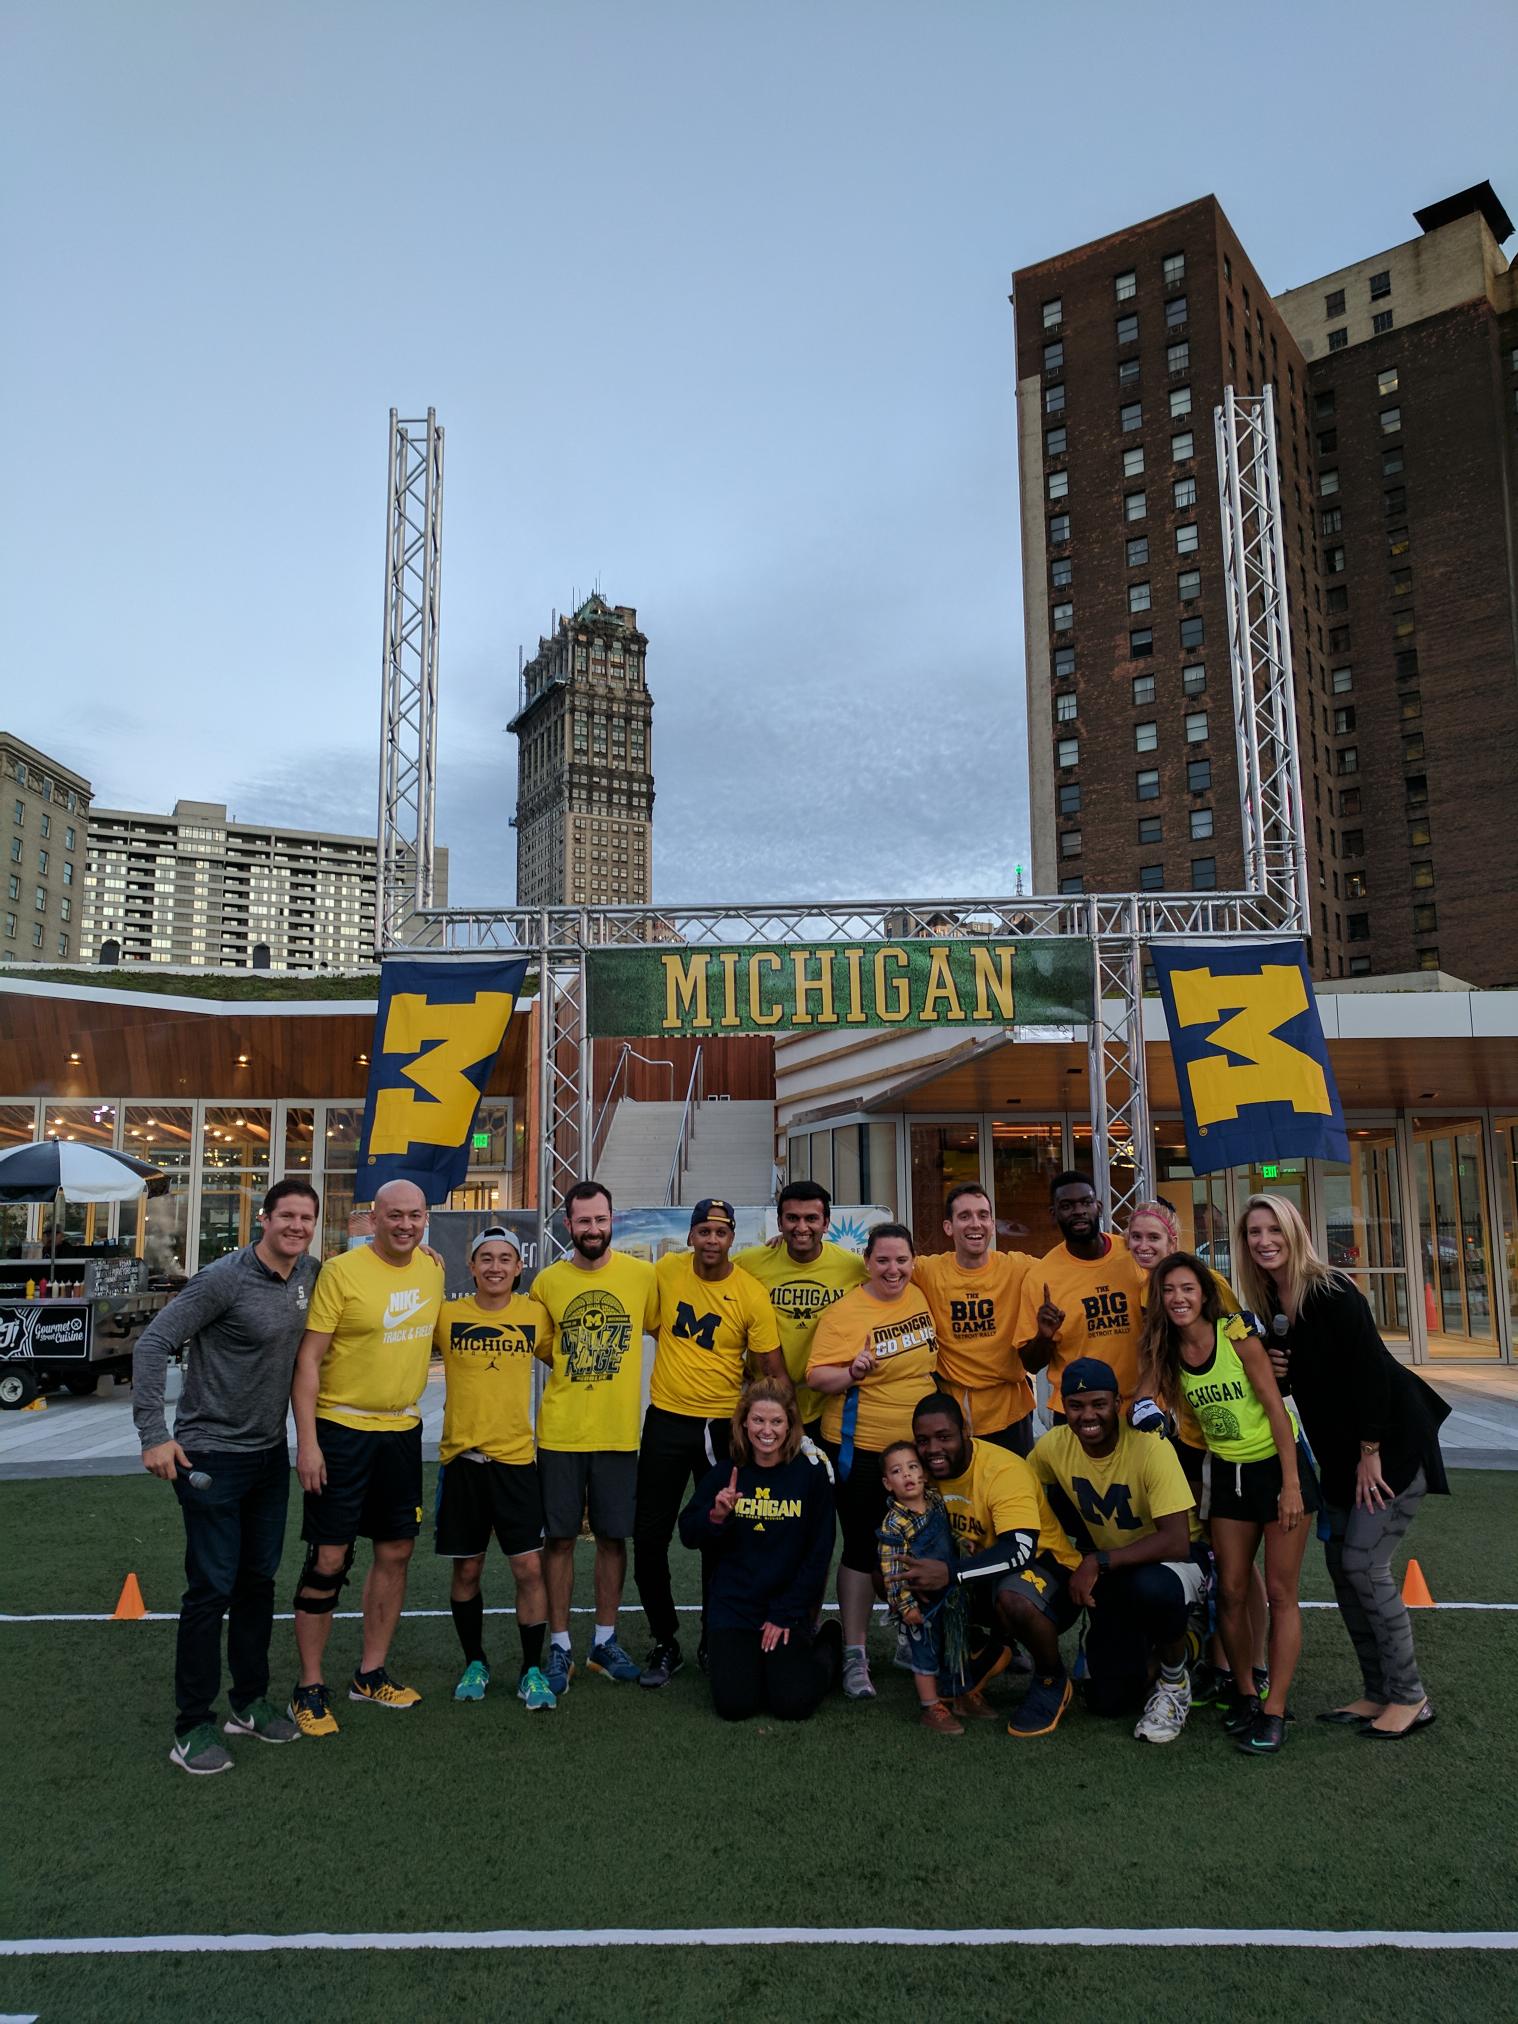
(765, 1522)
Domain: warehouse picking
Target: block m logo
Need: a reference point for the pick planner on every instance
(693, 1327)
(455, 1038)
(1271, 1070)
(1112, 1506)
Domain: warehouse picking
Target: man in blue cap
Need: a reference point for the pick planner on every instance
(1123, 1498)
(716, 1326)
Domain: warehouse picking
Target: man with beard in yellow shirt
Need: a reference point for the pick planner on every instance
(975, 1292)
(803, 1275)
(1093, 1294)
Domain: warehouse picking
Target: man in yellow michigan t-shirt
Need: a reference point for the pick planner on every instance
(715, 1325)
(975, 1292)
(1083, 1298)
(803, 1275)
(359, 1372)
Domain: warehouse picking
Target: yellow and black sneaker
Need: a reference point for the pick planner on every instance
(311, 1711)
(384, 1692)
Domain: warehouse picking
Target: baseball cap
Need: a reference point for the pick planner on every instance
(496, 1234)
(1088, 1374)
(712, 1209)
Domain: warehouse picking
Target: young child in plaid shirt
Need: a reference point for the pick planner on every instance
(917, 1526)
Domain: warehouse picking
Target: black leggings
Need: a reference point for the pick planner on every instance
(786, 1683)
(676, 1450)
(861, 1500)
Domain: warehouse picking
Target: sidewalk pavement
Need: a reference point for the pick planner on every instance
(95, 1437)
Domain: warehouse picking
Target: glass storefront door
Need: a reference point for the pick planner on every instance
(1362, 1218)
(1024, 1159)
(943, 1155)
(1454, 1250)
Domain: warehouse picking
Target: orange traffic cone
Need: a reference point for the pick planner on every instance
(1415, 1589)
(129, 1605)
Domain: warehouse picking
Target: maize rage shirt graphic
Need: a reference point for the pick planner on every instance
(599, 1319)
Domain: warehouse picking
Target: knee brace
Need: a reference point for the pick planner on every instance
(327, 1587)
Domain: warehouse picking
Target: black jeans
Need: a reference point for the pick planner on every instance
(234, 1532)
(786, 1683)
(1136, 1608)
(675, 1451)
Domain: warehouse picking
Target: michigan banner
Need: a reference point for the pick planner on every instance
(437, 1032)
(971, 981)
(1250, 1059)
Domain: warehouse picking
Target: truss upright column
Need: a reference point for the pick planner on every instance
(1259, 656)
(408, 687)
(1121, 1137)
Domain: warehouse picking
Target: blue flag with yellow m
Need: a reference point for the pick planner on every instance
(1250, 1060)
(437, 1032)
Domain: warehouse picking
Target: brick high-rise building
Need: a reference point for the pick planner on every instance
(585, 784)
(1413, 373)
(43, 820)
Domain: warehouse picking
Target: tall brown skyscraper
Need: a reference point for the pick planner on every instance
(1397, 484)
(585, 784)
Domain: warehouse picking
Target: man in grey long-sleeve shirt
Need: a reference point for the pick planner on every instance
(241, 1319)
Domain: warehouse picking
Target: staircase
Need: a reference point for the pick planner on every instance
(639, 1152)
(732, 1152)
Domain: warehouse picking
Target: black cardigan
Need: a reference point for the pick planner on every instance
(1349, 1388)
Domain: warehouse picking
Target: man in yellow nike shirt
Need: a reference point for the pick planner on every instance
(1092, 1292)
(715, 1324)
(975, 1292)
(359, 1372)
(803, 1275)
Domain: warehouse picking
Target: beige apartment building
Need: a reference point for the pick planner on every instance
(43, 821)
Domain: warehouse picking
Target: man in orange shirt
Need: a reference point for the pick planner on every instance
(974, 1292)
(1092, 1294)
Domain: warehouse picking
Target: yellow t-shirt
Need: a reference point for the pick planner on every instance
(595, 1388)
(380, 1318)
(1116, 1497)
(1103, 1300)
(1187, 1426)
(800, 1296)
(1000, 1493)
(708, 1329)
(975, 1319)
(900, 1332)
(487, 1356)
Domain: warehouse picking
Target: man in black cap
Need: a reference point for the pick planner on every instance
(715, 1326)
(1123, 1498)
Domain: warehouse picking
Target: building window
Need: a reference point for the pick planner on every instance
(1357, 927)
(1151, 828)
(1128, 372)
(1069, 843)
(1057, 485)
(1227, 268)
(1338, 598)
(1328, 442)
(1396, 501)
(1193, 678)
(65, 909)
(14, 889)
(1135, 505)
(1416, 790)
(1337, 339)
(1070, 799)
(1054, 398)
(1059, 528)
(1178, 356)
(1343, 681)
(1323, 403)
(1146, 786)
(1191, 634)
(1054, 311)
(42, 862)
(1138, 551)
(1354, 842)
(1419, 833)
(1127, 330)
(1398, 541)
(1131, 416)
(1328, 483)
(1349, 759)
(1196, 727)
(1054, 355)
(1204, 874)
(1138, 597)
(1151, 877)
(1056, 442)
(1060, 572)
(1425, 918)
(63, 945)
(1133, 463)
(1140, 641)
(1175, 312)
(1067, 752)
(10, 927)
(1188, 585)
(1201, 824)
(1064, 617)
(1391, 421)
(1072, 885)
(1143, 692)
(1125, 287)
(1332, 519)
(1187, 539)
(1349, 801)
(1182, 447)
(1184, 493)
(1065, 707)
(41, 900)
(1359, 966)
(1333, 562)
(1402, 582)
(1423, 872)
(1146, 737)
(1333, 302)
(47, 823)
(1198, 776)
(1064, 662)
(1174, 269)
(68, 873)
(1412, 750)
(1412, 706)
(1403, 625)
(1380, 285)
(1180, 402)
(1386, 382)
(1344, 721)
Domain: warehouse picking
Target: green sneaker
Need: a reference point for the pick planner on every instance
(533, 1691)
(262, 1720)
(200, 1753)
(473, 1681)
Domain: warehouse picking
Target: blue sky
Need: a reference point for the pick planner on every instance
(711, 300)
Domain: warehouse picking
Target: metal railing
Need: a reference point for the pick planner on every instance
(628, 1053)
(693, 1095)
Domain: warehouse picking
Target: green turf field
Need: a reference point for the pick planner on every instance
(629, 1809)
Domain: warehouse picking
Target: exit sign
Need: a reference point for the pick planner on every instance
(1266, 1173)
(481, 1144)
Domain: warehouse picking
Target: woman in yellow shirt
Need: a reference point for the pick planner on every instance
(873, 1357)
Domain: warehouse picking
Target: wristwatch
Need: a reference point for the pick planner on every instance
(1103, 1560)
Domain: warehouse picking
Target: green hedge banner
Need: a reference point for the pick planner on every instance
(915, 982)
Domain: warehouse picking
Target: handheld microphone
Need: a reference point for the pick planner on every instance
(197, 1479)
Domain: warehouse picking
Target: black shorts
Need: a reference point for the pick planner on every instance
(861, 1502)
(374, 1486)
(599, 1480)
(1250, 1491)
(476, 1499)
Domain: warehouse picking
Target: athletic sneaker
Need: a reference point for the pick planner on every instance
(200, 1753)
(379, 1688)
(1239, 1715)
(559, 1671)
(664, 1661)
(473, 1681)
(857, 1684)
(1042, 1706)
(259, 1719)
(1164, 1717)
(533, 1691)
(935, 1716)
(1261, 1683)
(311, 1711)
(973, 1707)
(1264, 1736)
(611, 1662)
(1211, 1687)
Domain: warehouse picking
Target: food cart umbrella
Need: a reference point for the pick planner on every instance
(55, 1170)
